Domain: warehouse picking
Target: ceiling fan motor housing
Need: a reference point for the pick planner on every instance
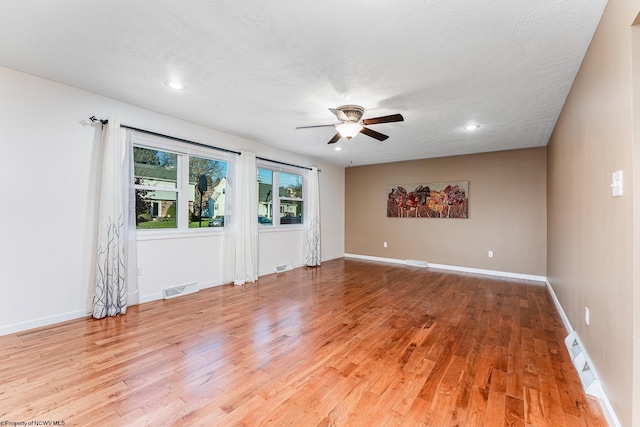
(351, 124)
(353, 112)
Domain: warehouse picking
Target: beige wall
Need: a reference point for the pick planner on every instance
(635, 39)
(590, 232)
(507, 212)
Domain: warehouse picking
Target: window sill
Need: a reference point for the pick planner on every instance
(177, 234)
(163, 234)
(277, 229)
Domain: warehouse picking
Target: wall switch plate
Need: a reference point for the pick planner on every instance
(616, 183)
(384, 244)
(490, 254)
(586, 316)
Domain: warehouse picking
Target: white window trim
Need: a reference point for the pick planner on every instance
(183, 151)
(275, 225)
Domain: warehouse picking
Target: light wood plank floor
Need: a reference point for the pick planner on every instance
(350, 343)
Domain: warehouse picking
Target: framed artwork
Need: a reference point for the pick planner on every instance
(432, 200)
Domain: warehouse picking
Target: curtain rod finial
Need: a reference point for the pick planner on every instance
(94, 119)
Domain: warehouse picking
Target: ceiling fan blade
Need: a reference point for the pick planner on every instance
(335, 138)
(384, 119)
(316, 126)
(339, 114)
(373, 134)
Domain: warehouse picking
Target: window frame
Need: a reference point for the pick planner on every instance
(183, 151)
(275, 189)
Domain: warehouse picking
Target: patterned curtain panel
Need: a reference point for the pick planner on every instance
(312, 247)
(110, 296)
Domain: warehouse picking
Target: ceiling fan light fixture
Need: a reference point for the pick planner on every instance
(349, 130)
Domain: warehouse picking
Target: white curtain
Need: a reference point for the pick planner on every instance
(241, 220)
(312, 247)
(116, 273)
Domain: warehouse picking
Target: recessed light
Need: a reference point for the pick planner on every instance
(175, 85)
(338, 148)
(471, 127)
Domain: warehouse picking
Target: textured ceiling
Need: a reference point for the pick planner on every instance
(258, 69)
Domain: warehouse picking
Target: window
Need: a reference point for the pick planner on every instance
(288, 206)
(265, 196)
(290, 192)
(207, 187)
(175, 189)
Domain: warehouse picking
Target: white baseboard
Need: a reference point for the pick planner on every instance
(599, 392)
(158, 295)
(150, 297)
(563, 315)
(609, 413)
(42, 321)
(330, 257)
(376, 258)
(455, 268)
(78, 314)
(498, 273)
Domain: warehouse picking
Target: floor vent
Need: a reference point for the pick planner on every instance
(588, 378)
(179, 291)
(283, 267)
(417, 263)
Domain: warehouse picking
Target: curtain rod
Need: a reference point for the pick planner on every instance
(285, 164)
(199, 144)
(105, 121)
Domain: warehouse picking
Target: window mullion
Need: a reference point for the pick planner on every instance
(166, 191)
(182, 204)
(276, 200)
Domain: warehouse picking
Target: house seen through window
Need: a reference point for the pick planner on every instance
(287, 205)
(175, 190)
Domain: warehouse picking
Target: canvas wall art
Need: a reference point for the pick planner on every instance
(433, 200)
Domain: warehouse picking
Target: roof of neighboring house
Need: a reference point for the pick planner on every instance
(155, 172)
(163, 173)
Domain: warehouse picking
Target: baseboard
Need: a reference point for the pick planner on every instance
(599, 392)
(609, 413)
(150, 297)
(375, 258)
(42, 321)
(158, 295)
(498, 273)
(563, 315)
(331, 257)
(455, 268)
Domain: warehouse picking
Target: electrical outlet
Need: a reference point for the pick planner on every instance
(384, 244)
(586, 315)
(490, 254)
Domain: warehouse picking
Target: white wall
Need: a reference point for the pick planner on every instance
(50, 168)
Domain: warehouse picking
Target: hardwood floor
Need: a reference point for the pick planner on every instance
(350, 343)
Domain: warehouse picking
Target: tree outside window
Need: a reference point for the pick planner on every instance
(168, 185)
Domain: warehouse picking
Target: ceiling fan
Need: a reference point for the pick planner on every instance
(351, 124)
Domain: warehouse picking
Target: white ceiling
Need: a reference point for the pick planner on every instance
(258, 69)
